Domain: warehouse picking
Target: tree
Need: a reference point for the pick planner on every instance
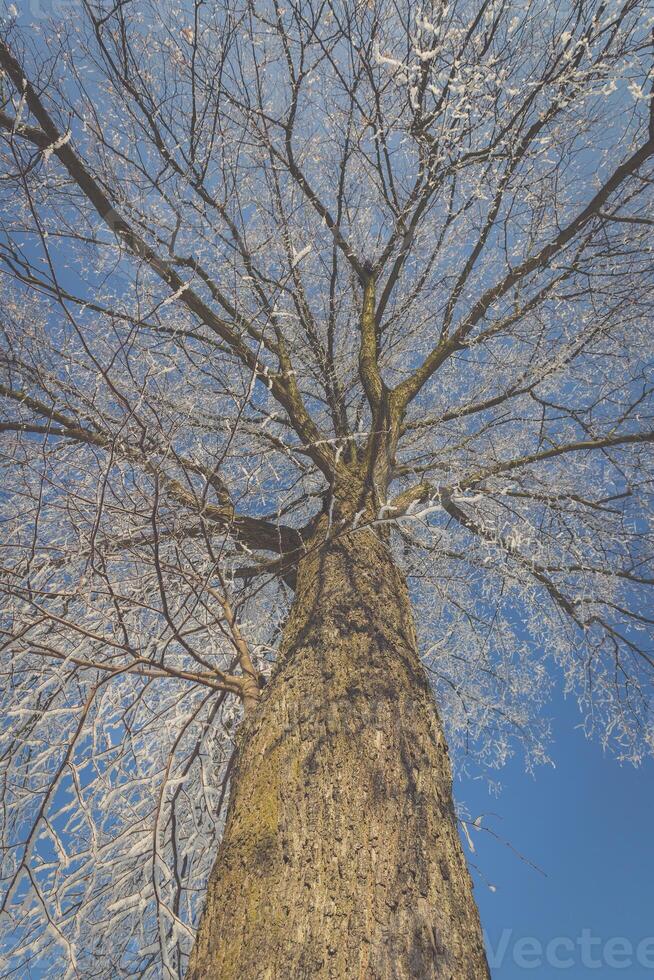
(326, 398)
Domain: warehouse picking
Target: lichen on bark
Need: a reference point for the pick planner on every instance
(341, 857)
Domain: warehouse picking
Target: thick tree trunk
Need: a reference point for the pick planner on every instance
(341, 856)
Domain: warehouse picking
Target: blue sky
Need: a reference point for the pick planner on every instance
(588, 824)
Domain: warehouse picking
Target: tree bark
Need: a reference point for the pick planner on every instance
(341, 856)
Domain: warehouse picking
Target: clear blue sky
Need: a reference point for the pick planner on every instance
(588, 824)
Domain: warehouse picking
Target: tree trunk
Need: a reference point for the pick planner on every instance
(341, 856)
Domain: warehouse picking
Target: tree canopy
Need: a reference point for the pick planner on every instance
(255, 253)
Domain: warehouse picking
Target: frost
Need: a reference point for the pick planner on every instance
(62, 141)
(426, 55)
(638, 92)
(424, 24)
(467, 836)
(381, 59)
(298, 256)
(169, 300)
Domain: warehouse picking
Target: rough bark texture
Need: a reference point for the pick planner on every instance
(341, 856)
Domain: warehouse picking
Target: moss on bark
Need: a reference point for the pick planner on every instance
(341, 857)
